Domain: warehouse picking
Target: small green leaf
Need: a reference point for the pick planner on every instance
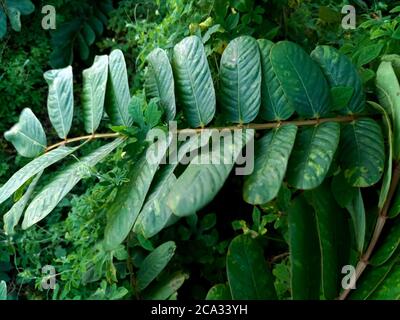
(312, 155)
(272, 155)
(389, 289)
(240, 80)
(60, 100)
(27, 135)
(154, 263)
(369, 53)
(248, 275)
(117, 94)
(304, 251)
(219, 292)
(93, 93)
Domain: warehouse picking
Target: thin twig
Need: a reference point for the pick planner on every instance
(255, 126)
(383, 215)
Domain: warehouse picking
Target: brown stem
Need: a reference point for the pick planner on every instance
(88, 138)
(383, 214)
(255, 126)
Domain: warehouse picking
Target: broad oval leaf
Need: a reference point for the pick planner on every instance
(304, 251)
(12, 217)
(312, 155)
(334, 238)
(154, 263)
(58, 188)
(219, 292)
(60, 100)
(301, 79)
(130, 197)
(27, 135)
(194, 84)
(209, 170)
(275, 105)
(160, 82)
(248, 275)
(32, 168)
(93, 93)
(362, 152)
(118, 96)
(388, 88)
(341, 72)
(272, 155)
(240, 80)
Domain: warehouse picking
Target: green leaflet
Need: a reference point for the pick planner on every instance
(60, 100)
(3, 290)
(209, 170)
(154, 263)
(388, 93)
(160, 82)
(395, 208)
(32, 168)
(370, 280)
(362, 154)
(357, 213)
(130, 197)
(388, 245)
(248, 275)
(272, 155)
(333, 237)
(194, 84)
(275, 105)
(304, 251)
(165, 287)
(57, 189)
(14, 10)
(389, 289)
(117, 94)
(27, 136)
(155, 213)
(240, 80)
(302, 80)
(12, 217)
(93, 93)
(219, 292)
(387, 179)
(340, 72)
(312, 155)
